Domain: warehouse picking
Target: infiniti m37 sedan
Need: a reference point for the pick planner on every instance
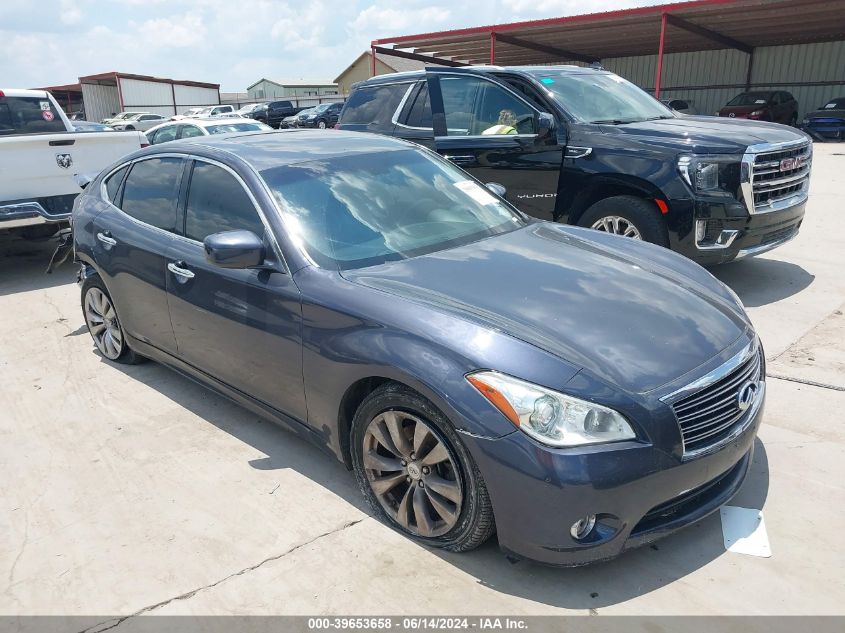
(575, 392)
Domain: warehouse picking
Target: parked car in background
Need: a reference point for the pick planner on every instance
(322, 116)
(828, 122)
(248, 109)
(188, 128)
(290, 121)
(142, 121)
(214, 111)
(79, 115)
(578, 393)
(90, 126)
(273, 112)
(578, 145)
(117, 118)
(684, 106)
(776, 106)
(44, 160)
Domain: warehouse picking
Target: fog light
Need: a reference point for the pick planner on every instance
(582, 527)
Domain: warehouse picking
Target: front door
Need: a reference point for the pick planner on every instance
(239, 326)
(483, 126)
(133, 237)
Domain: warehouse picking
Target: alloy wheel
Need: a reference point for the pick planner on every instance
(412, 473)
(322, 125)
(618, 226)
(102, 322)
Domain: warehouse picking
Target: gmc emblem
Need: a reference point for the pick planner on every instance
(788, 164)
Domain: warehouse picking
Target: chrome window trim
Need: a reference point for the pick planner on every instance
(395, 118)
(185, 156)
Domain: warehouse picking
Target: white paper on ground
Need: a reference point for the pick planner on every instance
(744, 531)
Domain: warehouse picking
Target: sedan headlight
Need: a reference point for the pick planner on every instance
(711, 173)
(548, 416)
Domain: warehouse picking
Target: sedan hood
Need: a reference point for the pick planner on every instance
(631, 322)
(706, 134)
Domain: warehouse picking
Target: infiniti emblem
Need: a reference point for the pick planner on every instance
(746, 395)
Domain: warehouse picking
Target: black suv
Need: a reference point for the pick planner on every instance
(272, 113)
(584, 146)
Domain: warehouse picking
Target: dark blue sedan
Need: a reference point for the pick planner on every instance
(577, 392)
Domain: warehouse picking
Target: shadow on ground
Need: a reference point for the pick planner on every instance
(759, 282)
(635, 573)
(23, 264)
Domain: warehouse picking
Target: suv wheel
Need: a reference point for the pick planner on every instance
(628, 216)
(103, 324)
(321, 124)
(415, 472)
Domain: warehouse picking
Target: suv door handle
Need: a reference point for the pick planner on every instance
(461, 159)
(106, 238)
(177, 269)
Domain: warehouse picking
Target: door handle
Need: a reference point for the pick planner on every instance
(107, 239)
(177, 270)
(461, 159)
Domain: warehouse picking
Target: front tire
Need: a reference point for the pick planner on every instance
(628, 216)
(103, 324)
(415, 472)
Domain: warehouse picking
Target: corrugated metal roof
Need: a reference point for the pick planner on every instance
(630, 32)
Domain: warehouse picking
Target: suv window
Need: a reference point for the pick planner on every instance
(164, 134)
(150, 117)
(475, 107)
(113, 182)
(29, 115)
(374, 107)
(217, 202)
(151, 190)
(420, 113)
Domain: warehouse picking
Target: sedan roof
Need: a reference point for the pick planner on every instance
(264, 150)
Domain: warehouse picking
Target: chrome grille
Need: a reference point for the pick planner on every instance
(709, 415)
(769, 184)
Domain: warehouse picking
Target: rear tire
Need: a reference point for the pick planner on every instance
(430, 488)
(321, 124)
(103, 324)
(130, 127)
(618, 213)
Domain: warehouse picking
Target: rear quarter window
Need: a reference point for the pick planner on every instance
(151, 191)
(373, 107)
(29, 115)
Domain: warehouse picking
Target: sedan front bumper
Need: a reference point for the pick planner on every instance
(638, 492)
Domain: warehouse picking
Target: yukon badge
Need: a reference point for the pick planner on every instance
(64, 160)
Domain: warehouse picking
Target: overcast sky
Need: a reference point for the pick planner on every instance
(230, 42)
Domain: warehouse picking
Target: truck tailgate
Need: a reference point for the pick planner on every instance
(43, 165)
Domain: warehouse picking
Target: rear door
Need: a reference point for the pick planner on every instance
(133, 236)
(482, 125)
(240, 326)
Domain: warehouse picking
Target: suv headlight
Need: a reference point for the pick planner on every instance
(548, 416)
(711, 173)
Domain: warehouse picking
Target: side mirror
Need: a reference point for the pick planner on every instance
(496, 188)
(234, 249)
(545, 124)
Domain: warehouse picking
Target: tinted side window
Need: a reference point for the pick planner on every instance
(151, 190)
(374, 106)
(474, 107)
(420, 113)
(217, 202)
(28, 115)
(113, 182)
(189, 131)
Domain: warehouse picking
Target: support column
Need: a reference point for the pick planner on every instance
(372, 61)
(659, 76)
(750, 70)
(492, 48)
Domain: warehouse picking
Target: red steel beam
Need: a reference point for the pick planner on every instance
(492, 48)
(659, 75)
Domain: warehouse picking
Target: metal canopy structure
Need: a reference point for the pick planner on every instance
(698, 25)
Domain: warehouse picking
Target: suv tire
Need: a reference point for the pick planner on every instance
(639, 213)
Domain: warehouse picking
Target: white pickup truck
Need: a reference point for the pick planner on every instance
(43, 161)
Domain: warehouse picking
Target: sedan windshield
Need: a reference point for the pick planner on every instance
(601, 97)
(225, 128)
(363, 210)
(750, 99)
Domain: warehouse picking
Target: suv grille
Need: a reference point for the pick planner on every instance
(710, 415)
(777, 175)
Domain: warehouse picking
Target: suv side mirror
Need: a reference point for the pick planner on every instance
(496, 188)
(234, 249)
(545, 123)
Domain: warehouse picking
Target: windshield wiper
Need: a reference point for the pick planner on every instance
(616, 121)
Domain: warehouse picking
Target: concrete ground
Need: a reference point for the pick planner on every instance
(129, 490)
